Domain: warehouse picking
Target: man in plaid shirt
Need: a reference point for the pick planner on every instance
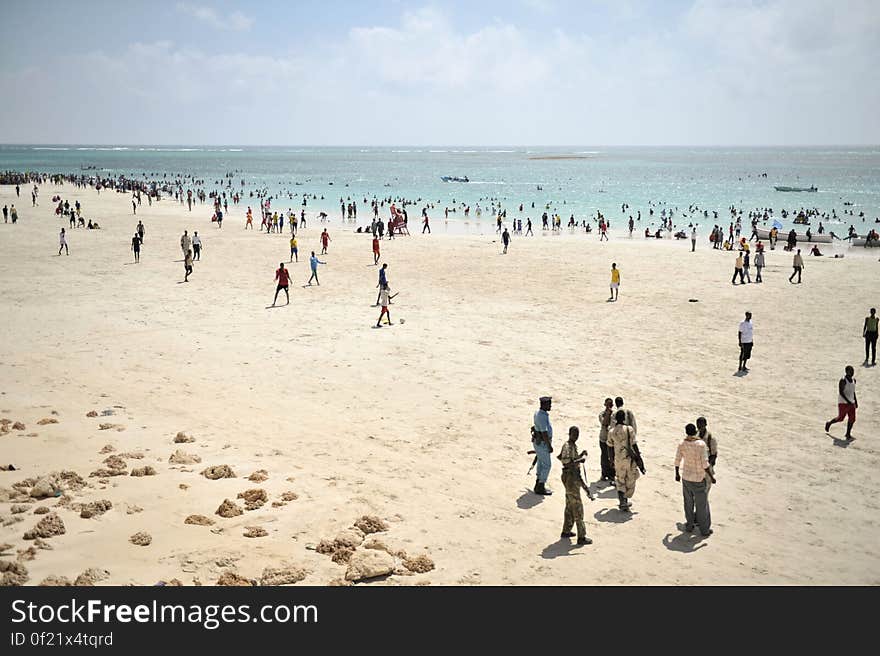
(693, 456)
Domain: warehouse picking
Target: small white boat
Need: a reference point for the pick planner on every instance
(783, 237)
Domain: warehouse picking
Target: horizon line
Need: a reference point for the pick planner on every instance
(233, 145)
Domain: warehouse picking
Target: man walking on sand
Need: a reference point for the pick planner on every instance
(693, 457)
(197, 246)
(136, 247)
(384, 300)
(282, 275)
(185, 243)
(314, 262)
(746, 340)
(627, 460)
(798, 265)
(542, 441)
(759, 264)
(738, 270)
(869, 331)
(383, 282)
(505, 239)
(375, 249)
(62, 238)
(606, 418)
(615, 282)
(187, 265)
(847, 403)
(573, 481)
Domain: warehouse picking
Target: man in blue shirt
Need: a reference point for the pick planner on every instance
(542, 436)
(314, 261)
(383, 281)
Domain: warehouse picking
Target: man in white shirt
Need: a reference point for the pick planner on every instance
(746, 332)
(197, 246)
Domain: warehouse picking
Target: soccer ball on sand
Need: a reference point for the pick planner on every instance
(403, 321)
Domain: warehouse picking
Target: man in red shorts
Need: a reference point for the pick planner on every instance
(282, 275)
(846, 402)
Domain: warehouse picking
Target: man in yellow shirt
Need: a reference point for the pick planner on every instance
(615, 281)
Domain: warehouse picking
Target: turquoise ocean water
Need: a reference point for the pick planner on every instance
(602, 178)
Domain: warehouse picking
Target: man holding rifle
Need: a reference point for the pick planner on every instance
(572, 462)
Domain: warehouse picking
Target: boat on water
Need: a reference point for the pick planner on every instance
(454, 178)
(796, 188)
(783, 237)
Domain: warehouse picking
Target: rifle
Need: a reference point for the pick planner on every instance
(634, 455)
(534, 462)
(584, 481)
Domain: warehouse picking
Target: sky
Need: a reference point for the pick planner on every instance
(477, 72)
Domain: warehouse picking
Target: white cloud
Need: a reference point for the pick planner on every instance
(235, 21)
(722, 73)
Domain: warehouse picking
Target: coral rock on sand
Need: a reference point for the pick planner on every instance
(419, 564)
(12, 573)
(27, 554)
(289, 496)
(253, 499)
(233, 579)
(109, 426)
(143, 471)
(342, 556)
(338, 583)
(371, 524)
(376, 544)
(19, 508)
(92, 413)
(104, 473)
(218, 471)
(134, 455)
(349, 539)
(18, 426)
(141, 539)
(52, 580)
(183, 437)
(91, 576)
(95, 508)
(182, 458)
(255, 532)
(107, 448)
(369, 564)
(47, 420)
(47, 527)
(199, 520)
(42, 544)
(282, 575)
(228, 509)
(45, 487)
(41, 510)
(259, 476)
(132, 509)
(115, 462)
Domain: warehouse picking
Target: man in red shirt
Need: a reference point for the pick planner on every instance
(325, 239)
(282, 275)
(376, 251)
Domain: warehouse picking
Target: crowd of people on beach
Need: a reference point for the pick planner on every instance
(620, 459)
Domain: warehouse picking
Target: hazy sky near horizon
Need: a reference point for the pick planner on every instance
(530, 72)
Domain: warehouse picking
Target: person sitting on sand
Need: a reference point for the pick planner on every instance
(815, 251)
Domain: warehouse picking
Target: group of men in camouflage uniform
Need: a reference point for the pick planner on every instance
(621, 460)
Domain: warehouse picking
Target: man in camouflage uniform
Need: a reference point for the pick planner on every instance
(712, 443)
(627, 459)
(573, 482)
(606, 420)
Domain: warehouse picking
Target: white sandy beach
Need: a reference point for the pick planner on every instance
(426, 424)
